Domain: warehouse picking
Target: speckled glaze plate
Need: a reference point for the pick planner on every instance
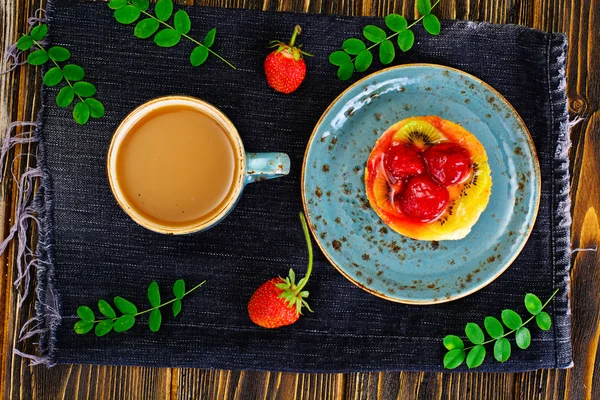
(353, 237)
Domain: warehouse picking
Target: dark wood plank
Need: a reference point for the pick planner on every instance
(579, 18)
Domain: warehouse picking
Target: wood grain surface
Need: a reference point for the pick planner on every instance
(580, 19)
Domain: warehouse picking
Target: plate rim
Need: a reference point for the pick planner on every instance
(508, 263)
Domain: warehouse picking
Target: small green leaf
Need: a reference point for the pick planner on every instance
(474, 333)
(155, 320)
(209, 39)
(198, 56)
(176, 307)
(476, 356)
(81, 113)
(82, 327)
(59, 53)
(84, 89)
(125, 306)
(424, 6)
(523, 337)
(106, 309)
(38, 57)
(363, 60)
(454, 358)
(511, 319)
(374, 33)
(543, 320)
(116, 4)
(65, 97)
(73, 72)
(493, 327)
(179, 288)
(141, 5)
(339, 58)
(53, 76)
(154, 294)
(431, 23)
(127, 15)
(96, 108)
(387, 52)
(502, 349)
(146, 28)
(406, 40)
(25, 43)
(182, 22)
(533, 303)
(167, 38)
(85, 313)
(353, 46)
(292, 276)
(452, 342)
(164, 9)
(39, 32)
(345, 71)
(396, 22)
(124, 323)
(104, 327)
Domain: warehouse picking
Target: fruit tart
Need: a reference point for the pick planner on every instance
(428, 178)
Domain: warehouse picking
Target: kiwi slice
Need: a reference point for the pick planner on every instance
(418, 133)
(468, 199)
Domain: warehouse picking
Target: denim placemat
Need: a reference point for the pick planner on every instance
(95, 251)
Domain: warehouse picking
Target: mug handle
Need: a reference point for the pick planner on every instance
(263, 166)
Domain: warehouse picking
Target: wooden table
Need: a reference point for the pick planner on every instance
(580, 19)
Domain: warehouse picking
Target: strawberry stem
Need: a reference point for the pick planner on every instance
(297, 31)
(308, 245)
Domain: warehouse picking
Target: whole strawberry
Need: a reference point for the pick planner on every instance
(278, 302)
(285, 68)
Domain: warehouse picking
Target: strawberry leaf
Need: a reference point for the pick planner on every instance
(154, 294)
(155, 320)
(106, 309)
(39, 32)
(176, 307)
(82, 327)
(85, 313)
(345, 71)
(104, 327)
(25, 43)
(198, 56)
(179, 288)
(209, 39)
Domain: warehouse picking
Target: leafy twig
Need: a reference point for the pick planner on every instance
(502, 349)
(129, 11)
(397, 23)
(72, 74)
(130, 311)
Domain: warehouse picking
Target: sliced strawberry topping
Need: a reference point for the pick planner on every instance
(447, 163)
(422, 199)
(403, 161)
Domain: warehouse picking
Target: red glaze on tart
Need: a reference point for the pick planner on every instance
(428, 179)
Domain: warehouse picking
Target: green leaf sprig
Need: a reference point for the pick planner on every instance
(129, 11)
(457, 352)
(129, 311)
(71, 74)
(363, 58)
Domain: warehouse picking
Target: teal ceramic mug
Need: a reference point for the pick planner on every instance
(248, 167)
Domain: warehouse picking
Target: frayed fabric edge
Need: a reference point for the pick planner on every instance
(30, 213)
(34, 210)
(561, 185)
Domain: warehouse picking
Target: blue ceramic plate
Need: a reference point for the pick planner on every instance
(354, 238)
